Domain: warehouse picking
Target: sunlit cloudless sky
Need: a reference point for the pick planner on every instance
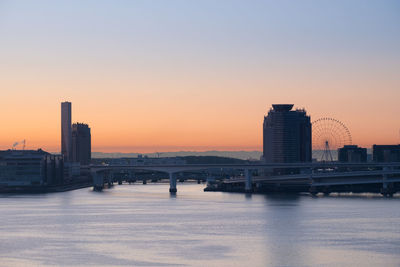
(195, 75)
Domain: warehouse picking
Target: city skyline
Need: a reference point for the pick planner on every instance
(66, 113)
(170, 78)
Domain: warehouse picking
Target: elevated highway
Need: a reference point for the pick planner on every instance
(313, 174)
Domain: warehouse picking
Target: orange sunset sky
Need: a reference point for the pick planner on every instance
(195, 75)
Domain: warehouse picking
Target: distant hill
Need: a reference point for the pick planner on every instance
(212, 160)
(245, 155)
(255, 155)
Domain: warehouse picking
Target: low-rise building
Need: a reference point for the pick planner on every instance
(386, 153)
(30, 168)
(352, 153)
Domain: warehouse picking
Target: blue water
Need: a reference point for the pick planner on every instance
(142, 225)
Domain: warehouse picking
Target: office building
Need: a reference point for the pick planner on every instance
(386, 153)
(286, 135)
(81, 143)
(66, 133)
(352, 153)
(21, 168)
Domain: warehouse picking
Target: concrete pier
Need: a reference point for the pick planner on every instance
(110, 179)
(387, 189)
(172, 183)
(248, 182)
(98, 181)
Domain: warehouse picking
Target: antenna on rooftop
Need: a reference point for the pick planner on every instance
(23, 142)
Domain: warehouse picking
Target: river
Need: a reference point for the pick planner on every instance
(143, 225)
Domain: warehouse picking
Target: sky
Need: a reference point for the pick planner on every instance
(195, 75)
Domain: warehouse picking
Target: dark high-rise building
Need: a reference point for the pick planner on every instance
(66, 134)
(352, 153)
(81, 143)
(286, 135)
(386, 153)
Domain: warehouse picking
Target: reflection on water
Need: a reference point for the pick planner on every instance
(145, 225)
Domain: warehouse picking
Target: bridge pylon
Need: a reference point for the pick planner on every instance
(172, 183)
(248, 182)
(98, 181)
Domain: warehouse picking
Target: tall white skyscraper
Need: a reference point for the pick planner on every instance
(66, 133)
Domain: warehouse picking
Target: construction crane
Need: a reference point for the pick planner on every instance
(19, 143)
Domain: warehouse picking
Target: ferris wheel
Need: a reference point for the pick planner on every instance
(328, 135)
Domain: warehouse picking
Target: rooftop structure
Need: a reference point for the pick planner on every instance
(282, 107)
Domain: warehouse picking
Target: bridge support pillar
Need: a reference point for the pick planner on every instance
(172, 183)
(132, 177)
(98, 181)
(248, 183)
(386, 190)
(110, 179)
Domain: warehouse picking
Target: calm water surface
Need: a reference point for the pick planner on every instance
(142, 225)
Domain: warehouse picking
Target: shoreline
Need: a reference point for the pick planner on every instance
(44, 189)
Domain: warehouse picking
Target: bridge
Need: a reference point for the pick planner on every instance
(325, 182)
(313, 174)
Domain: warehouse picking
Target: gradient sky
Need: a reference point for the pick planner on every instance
(195, 75)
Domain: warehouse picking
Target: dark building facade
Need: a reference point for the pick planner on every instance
(286, 135)
(81, 143)
(66, 134)
(352, 153)
(386, 153)
(24, 168)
